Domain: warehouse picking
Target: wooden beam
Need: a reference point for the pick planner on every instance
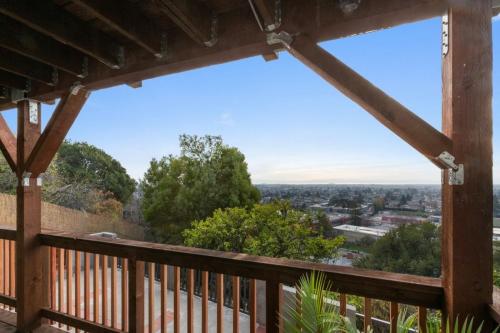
(54, 133)
(467, 119)
(20, 65)
(10, 80)
(193, 17)
(126, 19)
(22, 40)
(249, 41)
(47, 18)
(267, 11)
(412, 129)
(8, 144)
(29, 254)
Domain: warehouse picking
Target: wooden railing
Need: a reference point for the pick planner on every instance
(108, 285)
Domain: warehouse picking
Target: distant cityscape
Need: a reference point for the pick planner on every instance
(364, 213)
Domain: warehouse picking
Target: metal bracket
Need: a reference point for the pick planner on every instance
(55, 76)
(26, 179)
(445, 34)
(283, 38)
(33, 112)
(456, 172)
(85, 68)
(349, 6)
(163, 46)
(75, 88)
(39, 180)
(277, 17)
(213, 31)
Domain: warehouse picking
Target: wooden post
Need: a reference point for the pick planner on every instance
(29, 258)
(273, 295)
(467, 120)
(136, 296)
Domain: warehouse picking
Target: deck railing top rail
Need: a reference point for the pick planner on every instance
(408, 289)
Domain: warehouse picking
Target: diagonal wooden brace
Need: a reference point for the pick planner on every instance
(8, 144)
(407, 125)
(54, 133)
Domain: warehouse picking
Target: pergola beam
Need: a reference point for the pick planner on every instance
(54, 133)
(125, 19)
(193, 17)
(47, 18)
(14, 81)
(26, 67)
(408, 126)
(8, 144)
(20, 39)
(248, 40)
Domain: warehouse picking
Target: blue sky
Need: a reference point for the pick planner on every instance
(292, 126)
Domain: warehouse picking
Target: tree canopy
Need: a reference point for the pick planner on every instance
(207, 175)
(80, 162)
(81, 176)
(411, 249)
(272, 230)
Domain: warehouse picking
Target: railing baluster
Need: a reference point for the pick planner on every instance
(53, 279)
(6, 259)
(236, 304)
(86, 286)
(61, 282)
(190, 305)
(2, 281)
(104, 284)
(12, 263)
(273, 295)
(422, 319)
(69, 282)
(177, 299)
(114, 297)
(151, 297)
(367, 314)
(253, 306)
(164, 294)
(136, 296)
(343, 304)
(78, 266)
(220, 303)
(125, 299)
(204, 302)
(96, 287)
(394, 312)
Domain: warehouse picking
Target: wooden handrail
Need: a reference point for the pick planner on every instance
(401, 288)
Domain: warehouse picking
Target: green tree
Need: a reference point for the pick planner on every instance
(411, 249)
(8, 179)
(180, 189)
(272, 230)
(86, 165)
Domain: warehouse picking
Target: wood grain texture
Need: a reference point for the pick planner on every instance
(236, 303)
(136, 296)
(467, 119)
(220, 302)
(204, 302)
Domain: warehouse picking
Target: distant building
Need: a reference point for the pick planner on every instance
(354, 233)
